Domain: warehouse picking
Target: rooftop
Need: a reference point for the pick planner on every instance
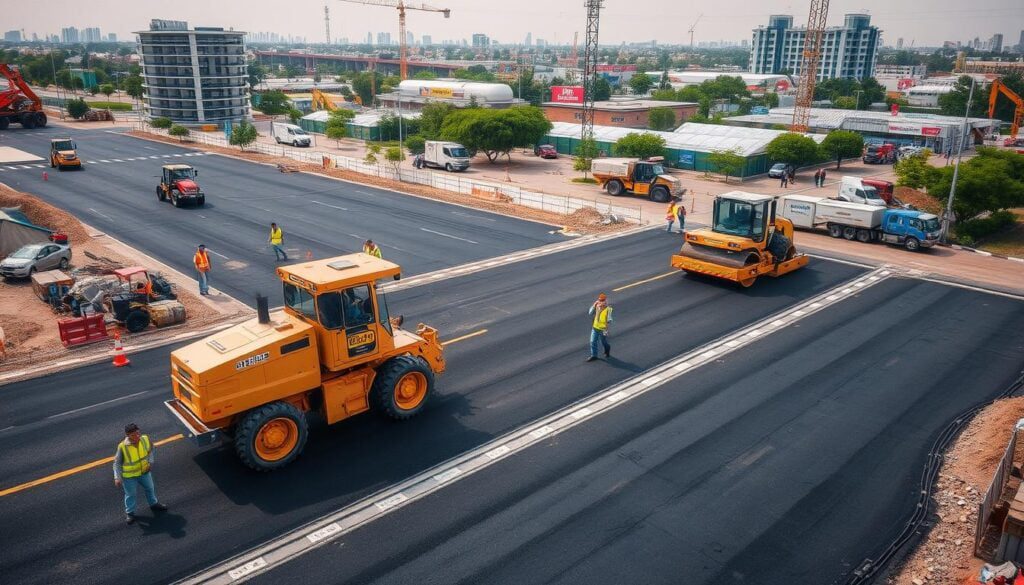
(830, 119)
(339, 272)
(625, 105)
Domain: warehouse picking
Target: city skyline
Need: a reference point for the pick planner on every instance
(728, 21)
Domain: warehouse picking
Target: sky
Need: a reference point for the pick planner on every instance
(925, 23)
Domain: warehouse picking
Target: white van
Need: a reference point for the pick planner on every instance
(289, 134)
(450, 156)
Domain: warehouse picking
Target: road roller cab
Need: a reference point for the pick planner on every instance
(332, 348)
(746, 240)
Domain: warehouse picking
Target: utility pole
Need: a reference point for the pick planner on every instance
(327, 22)
(858, 92)
(947, 217)
(590, 54)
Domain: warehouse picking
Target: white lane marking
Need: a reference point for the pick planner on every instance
(117, 160)
(38, 166)
(329, 205)
(149, 147)
(473, 216)
(295, 543)
(177, 155)
(11, 168)
(217, 254)
(440, 477)
(325, 532)
(67, 412)
(247, 568)
(92, 162)
(101, 214)
(448, 235)
(155, 156)
(24, 167)
(104, 161)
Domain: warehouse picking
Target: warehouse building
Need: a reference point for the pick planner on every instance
(756, 82)
(414, 93)
(687, 148)
(619, 113)
(363, 127)
(939, 133)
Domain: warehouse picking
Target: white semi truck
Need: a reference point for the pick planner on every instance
(864, 223)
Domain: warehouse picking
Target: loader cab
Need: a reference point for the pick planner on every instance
(339, 297)
(744, 215)
(174, 173)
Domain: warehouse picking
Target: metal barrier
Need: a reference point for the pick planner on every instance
(560, 204)
(995, 490)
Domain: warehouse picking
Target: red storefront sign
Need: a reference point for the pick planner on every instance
(615, 68)
(567, 94)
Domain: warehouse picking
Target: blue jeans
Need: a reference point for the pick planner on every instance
(131, 484)
(597, 336)
(204, 283)
(669, 228)
(682, 222)
(279, 252)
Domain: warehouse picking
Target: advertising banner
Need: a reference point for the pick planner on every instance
(913, 129)
(567, 94)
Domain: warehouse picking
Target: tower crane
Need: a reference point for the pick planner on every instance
(402, 7)
(816, 20)
(693, 26)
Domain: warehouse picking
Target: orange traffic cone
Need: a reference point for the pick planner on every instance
(309, 254)
(46, 176)
(119, 358)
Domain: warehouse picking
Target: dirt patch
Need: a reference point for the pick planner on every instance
(918, 199)
(947, 553)
(44, 214)
(486, 200)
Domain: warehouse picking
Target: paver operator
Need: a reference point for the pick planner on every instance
(602, 313)
(133, 463)
(372, 249)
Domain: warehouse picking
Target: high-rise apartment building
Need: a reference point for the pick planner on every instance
(69, 35)
(193, 76)
(427, 40)
(12, 36)
(529, 39)
(996, 43)
(481, 40)
(849, 51)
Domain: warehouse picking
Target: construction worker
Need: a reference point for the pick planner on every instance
(202, 263)
(276, 240)
(133, 462)
(602, 313)
(670, 214)
(681, 215)
(372, 249)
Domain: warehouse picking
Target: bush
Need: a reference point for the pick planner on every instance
(416, 144)
(161, 123)
(978, 229)
(114, 106)
(179, 131)
(77, 108)
(640, 145)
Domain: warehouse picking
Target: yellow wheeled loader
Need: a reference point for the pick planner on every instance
(746, 240)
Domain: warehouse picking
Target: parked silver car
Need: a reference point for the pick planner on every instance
(35, 258)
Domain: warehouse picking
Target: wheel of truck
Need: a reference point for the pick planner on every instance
(41, 119)
(448, 167)
(160, 194)
(4, 122)
(175, 199)
(660, 195)
(836, 231)
(28, 121)
(201, 201)
(615, 187)
(136, 321)
(781, 247)
(863, 236)
(402, 387)
(849, 233)
(271, 436)
(912, 244)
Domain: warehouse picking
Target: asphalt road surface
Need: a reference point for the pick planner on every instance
(789, 461)
(116, 193)
(527, 364)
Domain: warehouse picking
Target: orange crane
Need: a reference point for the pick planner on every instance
(809, 71)
(1018, 112)
(402, 7)
(19, 103)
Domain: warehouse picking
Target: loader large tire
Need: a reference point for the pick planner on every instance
(271, 436)
(4, 123)
(660, 195)
(781, 247)
(402, 387)
(615, 188)
(136, 321)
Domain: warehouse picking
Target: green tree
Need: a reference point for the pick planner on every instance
(954, 102)
(362, 85)
(641, 83)
(161, 123)
(845, 102)
(107, 89)
(586, 152)
(416, 144)
(602, 89)
(991, 181)
(133, 86)
(337, 124)
(496, 132)
(178, 131)
(795, 149)
(371, 154)
(337, 133)
(871, 92)
(78, 108)
(425, 75)
(395, 156)
(274, 103)
(257, 73)
(914, 171)
(727, 162)
(243, 135)
(661, 119)
(294, 115)
(640, 145)
(291, 71)
(840, 144)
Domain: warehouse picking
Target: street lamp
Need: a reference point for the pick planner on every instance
(947, 217)
(858, 92)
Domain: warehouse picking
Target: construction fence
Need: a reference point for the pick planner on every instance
(505, 192)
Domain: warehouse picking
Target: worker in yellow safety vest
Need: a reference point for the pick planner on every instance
(372, 249)
(602, 313)
(276, 241)
(133, 462)
(670, 214)
(202, 264)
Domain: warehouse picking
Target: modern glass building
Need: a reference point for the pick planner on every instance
(849, 51)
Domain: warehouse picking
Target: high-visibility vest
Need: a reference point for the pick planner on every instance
(202, 261)
(671, 213)
(374, 251)
(133, 457)
(601, 318)
(276, 237)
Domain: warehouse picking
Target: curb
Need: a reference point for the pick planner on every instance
(984, 253)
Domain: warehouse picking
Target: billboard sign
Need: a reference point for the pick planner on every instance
(567, 94)
(913, 129)
(616, 68)
(686, 159)
(438, 92)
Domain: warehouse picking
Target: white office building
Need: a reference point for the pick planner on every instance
(849, 51)
(193, 76)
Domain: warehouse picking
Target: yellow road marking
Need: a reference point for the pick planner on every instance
(75, 470)
(638, 283)
(464, 337)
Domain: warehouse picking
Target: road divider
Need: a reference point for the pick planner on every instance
(334, 525)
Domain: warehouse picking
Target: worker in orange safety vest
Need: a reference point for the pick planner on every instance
(202, 263)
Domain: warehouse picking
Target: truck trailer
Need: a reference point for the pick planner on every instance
(865, 223)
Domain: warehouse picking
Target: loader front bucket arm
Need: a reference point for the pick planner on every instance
(431, 350)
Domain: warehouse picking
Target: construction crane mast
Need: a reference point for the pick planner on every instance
(816, 20)
(590, 57)
(402, 7)
(327, 23)
(693, 26)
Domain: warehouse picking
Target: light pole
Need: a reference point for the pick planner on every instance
(947, 217)
(858, 92)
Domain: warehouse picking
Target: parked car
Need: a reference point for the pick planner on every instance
(35, 258)
(545, 151)
(906, 151)
(778, 169)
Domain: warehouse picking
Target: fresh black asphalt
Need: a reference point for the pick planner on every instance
(788, 461)
(318, 215)
(529, 363)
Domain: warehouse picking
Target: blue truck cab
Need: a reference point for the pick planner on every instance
(909, 228)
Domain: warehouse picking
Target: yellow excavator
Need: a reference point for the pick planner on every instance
(746, 240)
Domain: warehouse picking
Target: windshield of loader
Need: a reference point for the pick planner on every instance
(179, 174)
(63, 145)
(739, 218)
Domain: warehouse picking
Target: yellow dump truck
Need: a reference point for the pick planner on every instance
(332, 348)
(746, 240)
(619, 176)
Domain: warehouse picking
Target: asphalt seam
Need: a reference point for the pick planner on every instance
(331, 526)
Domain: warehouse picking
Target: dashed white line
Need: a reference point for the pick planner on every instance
(448, 235)
(65, 413)
(155, 156)
(117, 160)
(329, 205)
(24, 167)
(104, 161)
